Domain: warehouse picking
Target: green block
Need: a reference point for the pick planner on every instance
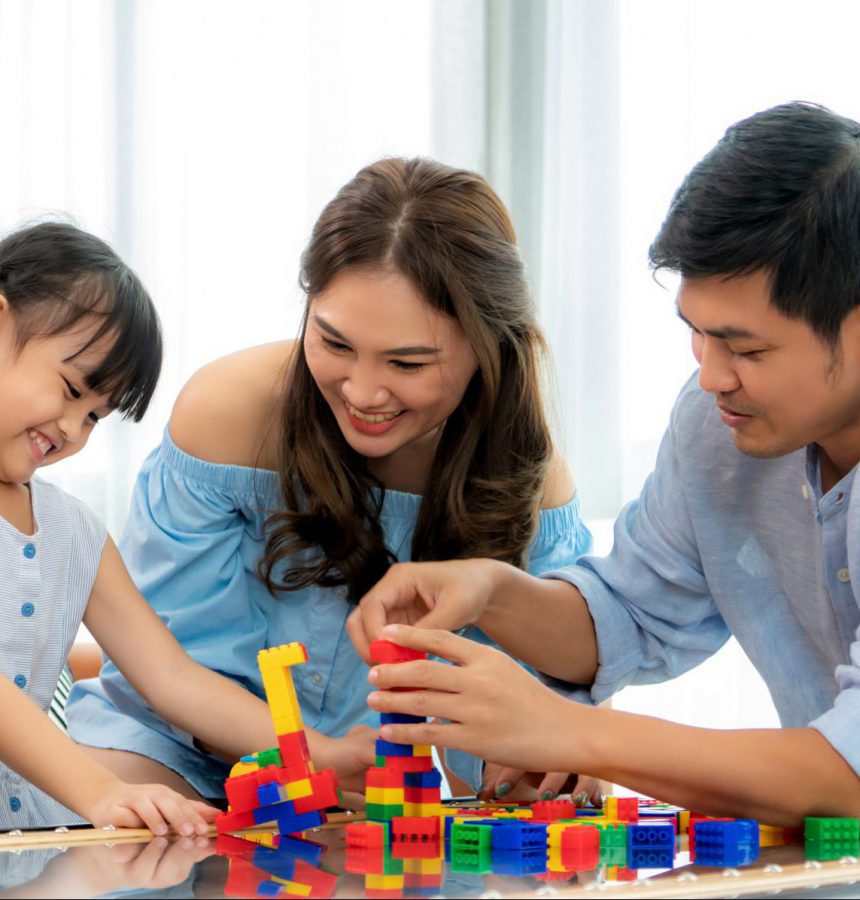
(471, 859)
(382, 812)
(613, 856)
(613, 834)
(269, 758)
(819, 829)
(469, 835)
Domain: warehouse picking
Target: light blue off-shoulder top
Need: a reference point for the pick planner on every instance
(192, 540)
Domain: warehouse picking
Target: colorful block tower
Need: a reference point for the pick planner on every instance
(404, 788)
(279, 787)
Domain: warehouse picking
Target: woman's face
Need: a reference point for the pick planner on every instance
(391, 368)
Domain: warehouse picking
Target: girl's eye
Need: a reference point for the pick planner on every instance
(407, 366)
(334, 345)
(76, 394)
(94, 419)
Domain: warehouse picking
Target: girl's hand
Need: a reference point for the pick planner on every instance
(445, 595)
(350, 756)
(494, 708)
(152, 806)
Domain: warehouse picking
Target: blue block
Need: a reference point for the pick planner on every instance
(300, 848)
(518, 862)
(269, 888)
(650, 836)
(514, 835)
(294, 824)
(400, 719)
(727, 843)
(650, 858)
(271, 812)
(268, 793)
(275, 863)
(431, 779)
(389, 748)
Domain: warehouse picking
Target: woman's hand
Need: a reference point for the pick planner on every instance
(502, 783)
(446, 595)
(494, 708)
(152, 806)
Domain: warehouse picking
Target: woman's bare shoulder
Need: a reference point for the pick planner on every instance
(226, 411)
(559, 487)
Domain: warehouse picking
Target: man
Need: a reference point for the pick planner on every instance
(749, 524)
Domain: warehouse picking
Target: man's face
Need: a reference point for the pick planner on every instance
(777, 385)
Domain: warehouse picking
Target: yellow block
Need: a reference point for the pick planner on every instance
(281, 693)
(424, 866)
(286, 655)
(384, 881)
(422, 750)
(266, 838)
(385, 796)
(288, 724)
(422, 810)
(294, 888)
(241, 768)
(296, 789)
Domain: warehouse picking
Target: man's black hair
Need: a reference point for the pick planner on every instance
(779, 193)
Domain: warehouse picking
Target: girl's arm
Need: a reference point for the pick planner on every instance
(37, 750)
(223, 716)
(777, 775)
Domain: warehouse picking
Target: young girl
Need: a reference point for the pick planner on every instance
(79, 338)
(406, 423)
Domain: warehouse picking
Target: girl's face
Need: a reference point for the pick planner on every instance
(46, 411)
(391, 368)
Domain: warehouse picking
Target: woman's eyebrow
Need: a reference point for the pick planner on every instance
(417, 350)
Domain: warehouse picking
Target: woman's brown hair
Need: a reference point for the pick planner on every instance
(445, 230)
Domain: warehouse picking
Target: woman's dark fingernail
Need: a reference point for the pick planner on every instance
(503, 788)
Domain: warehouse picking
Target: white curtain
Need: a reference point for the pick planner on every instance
(202, 138)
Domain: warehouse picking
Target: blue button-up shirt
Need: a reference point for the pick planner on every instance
(721, 544)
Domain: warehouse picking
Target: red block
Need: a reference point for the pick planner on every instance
(365, 860)
(552, 810)
(406, 849)
(294, 748)
(382, 652)
(580, 859)
(628, 809)
(243, 879)
(324, 787)
(415, 828)
(422, 795)
(422, 879)
(323, 884)
(580, 837)
(366, 834)
(383, 893)
(234, 821)
(241, 792)
(383, 778)
(234, 847)
(409, 763)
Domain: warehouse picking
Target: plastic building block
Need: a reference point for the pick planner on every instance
(416, 828)
(367, 834)
(518, 862)
(520, 836)
(622, 809)
(650, 858)
(471, 859)
(431, 779)
(377, 812)
(405, 763)
(726, 843)
(552, 810)
(286, 655)
(389, 748)
(400, 719)
(831, 838)
(385, 652)
(431, 850)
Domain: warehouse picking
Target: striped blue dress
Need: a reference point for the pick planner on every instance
(46, 584)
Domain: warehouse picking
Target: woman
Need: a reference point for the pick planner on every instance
(407, 423)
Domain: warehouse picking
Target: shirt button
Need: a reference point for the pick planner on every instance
(843, 575)
(29, 551)
(27, 610)
(316, 678)
(20, 680)
(14, 804)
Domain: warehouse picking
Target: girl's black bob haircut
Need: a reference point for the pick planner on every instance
(57, 278)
